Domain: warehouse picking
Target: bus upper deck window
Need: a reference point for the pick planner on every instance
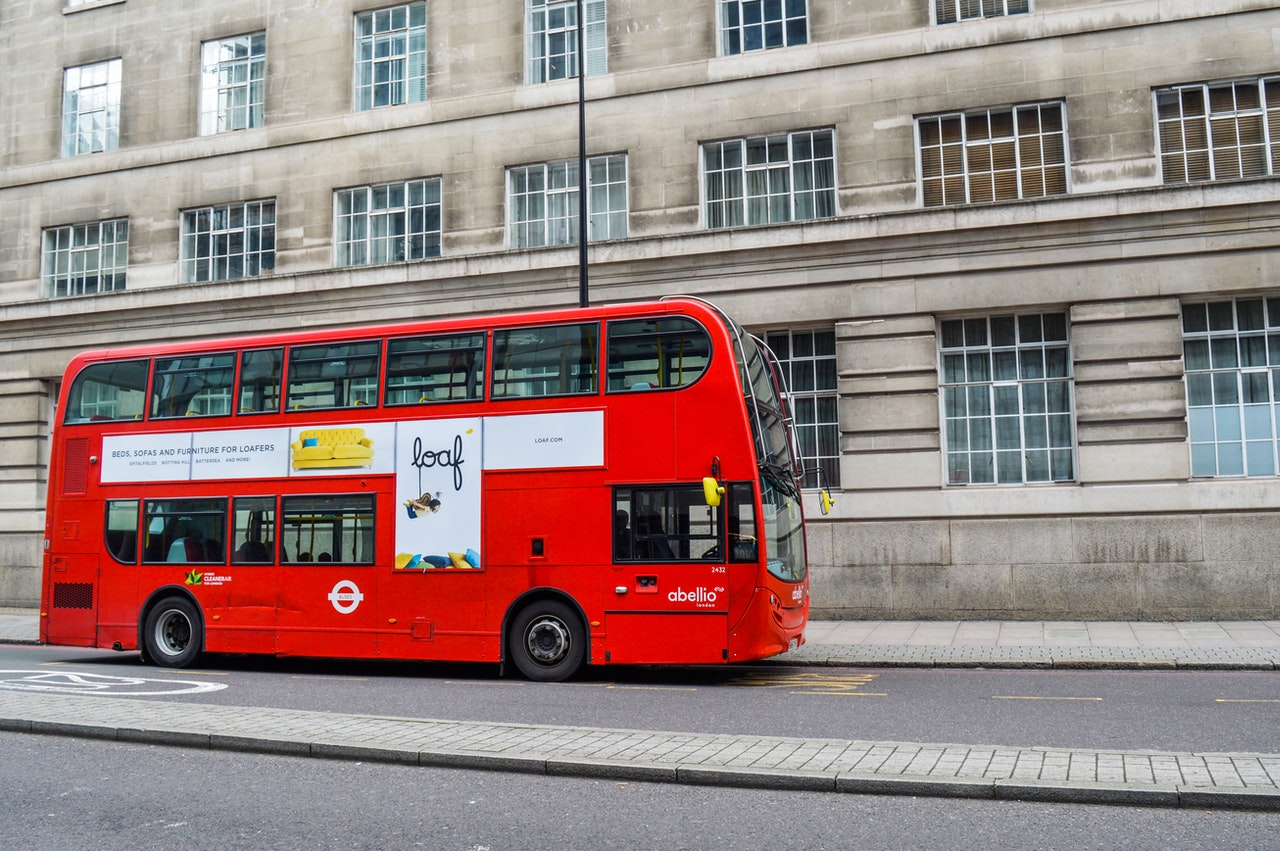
(557, 360)
(333, 376)
(193, 386)
(435, 369)
(661, 353)
(108, 391)
(260, 373)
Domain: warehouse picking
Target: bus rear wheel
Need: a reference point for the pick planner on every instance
(548, 641)
(172, 635)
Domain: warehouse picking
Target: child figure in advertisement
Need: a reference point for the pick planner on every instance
(422, 505)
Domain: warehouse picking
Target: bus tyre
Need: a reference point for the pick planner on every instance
(548, 642)
(172, 635)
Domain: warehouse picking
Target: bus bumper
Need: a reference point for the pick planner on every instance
(771, 625)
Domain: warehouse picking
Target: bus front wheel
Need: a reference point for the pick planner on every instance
(171, 636)
(548, 641)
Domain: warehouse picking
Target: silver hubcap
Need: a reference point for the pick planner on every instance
(173, 633)
(548, 640)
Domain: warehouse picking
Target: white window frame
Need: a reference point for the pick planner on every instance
(1006, 398)
(551, 45)
(745, 26)
(957, 154)
(954, 11)
(391, 56)
(542, 202)
(1231, 358)
(233, 83)
(1206, 144)
(91, 108)
(398, 222)
(807, 358)
(765, 180)
(72, 256)
(226, 242)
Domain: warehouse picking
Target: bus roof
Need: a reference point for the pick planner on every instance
(670, 305)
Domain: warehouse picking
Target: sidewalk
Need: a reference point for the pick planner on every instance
(1147, 778)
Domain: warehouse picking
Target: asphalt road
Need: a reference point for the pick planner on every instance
(1164, 710)
(66, 794)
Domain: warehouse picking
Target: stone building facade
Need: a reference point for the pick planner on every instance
(1022, 257)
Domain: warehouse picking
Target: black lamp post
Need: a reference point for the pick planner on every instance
(582, 161)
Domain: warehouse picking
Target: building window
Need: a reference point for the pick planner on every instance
(391, 56)
(1231, 351)
(808, 361)
(389, 223)
(1006, 398)
(229, 241)
(950, 11)
(91, 108)
(85, 259)
(543, 200)
(233, 83)
(761, 24)
(769, 179)
(553, 39)
(993, 155)
(1219, 131)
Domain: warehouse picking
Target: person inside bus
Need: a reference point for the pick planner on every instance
(651, 540)
(251, 551)
(324, 557)
(621, 535)
(186, 544)
(304, 556)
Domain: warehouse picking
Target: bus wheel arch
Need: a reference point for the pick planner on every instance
(545, 635)
(171, 630)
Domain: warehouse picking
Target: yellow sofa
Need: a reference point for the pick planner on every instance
(332, 447)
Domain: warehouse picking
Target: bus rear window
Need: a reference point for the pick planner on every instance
(435, 369)
(560, 360)
(193, 386)
(121, 530)
(108, 392)
(646, 354)
(341, 376)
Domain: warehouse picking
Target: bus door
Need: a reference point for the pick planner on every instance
(667, 594)
(326, 604)
(246, 620)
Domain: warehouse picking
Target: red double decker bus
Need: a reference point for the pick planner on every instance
(609, 485)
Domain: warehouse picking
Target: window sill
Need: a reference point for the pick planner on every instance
(73, 6)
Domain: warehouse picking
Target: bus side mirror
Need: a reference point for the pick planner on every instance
(825, 501)
(713, 491)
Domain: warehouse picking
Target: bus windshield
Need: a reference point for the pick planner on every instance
(764, 409)
(783, 529)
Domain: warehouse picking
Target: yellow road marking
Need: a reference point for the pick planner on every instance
(815, 682)
(627, 688)
(1034, 697)
(1244, 700)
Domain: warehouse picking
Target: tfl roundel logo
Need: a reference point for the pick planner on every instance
(345, 597)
